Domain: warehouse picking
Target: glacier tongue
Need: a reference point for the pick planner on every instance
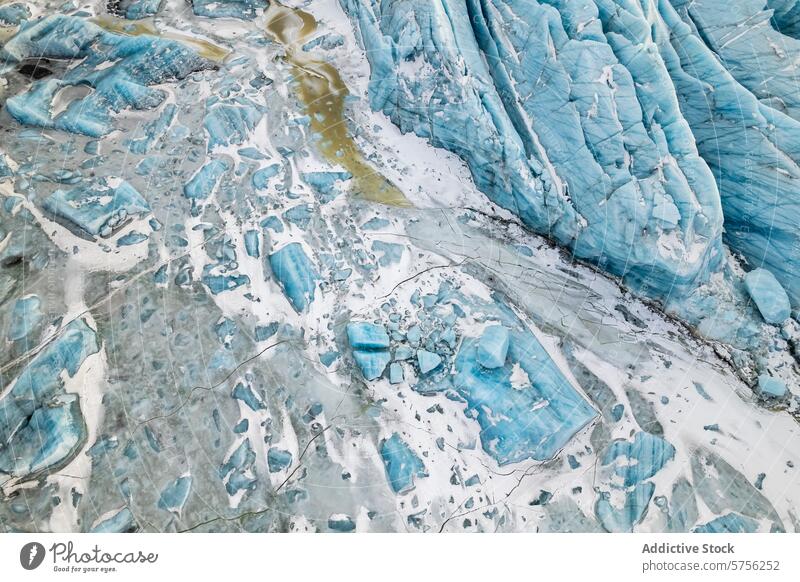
(579, 135)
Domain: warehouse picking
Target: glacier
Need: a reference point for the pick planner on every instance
(399, 265)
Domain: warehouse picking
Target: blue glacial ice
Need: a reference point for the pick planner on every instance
(26, 315)
(631, 464)
(175, 494)
(771, 387)
(98, 209)
(118, 70)
(241, 9)
(641, 459)
(120, 522)
(728, 523)
(557, 124)
(402, 465)
(530, 422)
(151, 132)
(370, 344)
(768, 295)
(493, 347)
(278, 459)
(755, 164)
(137, 9)
(296, 274)
(14, 13)
(237, 470)
(41, 425)
(231, 122)
(206, 179)
(428, 361)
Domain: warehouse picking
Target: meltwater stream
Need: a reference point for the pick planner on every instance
(323, 93)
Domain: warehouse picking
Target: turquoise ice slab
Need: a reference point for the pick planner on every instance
(401, 463)
(296, 274)
(768, 295)
(493, 347)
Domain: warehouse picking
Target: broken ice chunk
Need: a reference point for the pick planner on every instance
(428, 361)
(251, 243)
(493, 347)
(131, 238)
(643, 457)
(203, 183)
(401, 463)
(262, 177)
(395, 373)
(728, 523)
(120, 522)
(324, 184)
(296, 274)
(367, 336)
(52, 435)
(370, 344)
(237, 467)
(231, 122)
(246, 394)
(341, 523)
(97, 210)
(153, 131)
(218, 283)
(768, 295)
(771, 387)
(534, 422)
(372, 363)
(241, 9)
(13, 14)
(174, 496)
(278, 459)
(41, 426)
(633, 510)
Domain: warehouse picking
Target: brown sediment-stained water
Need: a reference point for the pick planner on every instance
(204, 48)
(322, 92)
